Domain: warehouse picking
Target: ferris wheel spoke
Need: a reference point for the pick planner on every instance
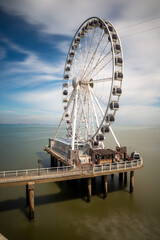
(85, 47)
(85, 68)
(77, 110)
(82, 112)
(101, 68)
(72, 112)
(80, 57)
(98, 64)
(73, 69)
(99, 80)
(100, 100)
(80, 122)
(81, 115)
(94, 119)
(102, 51)
(88, 113)
(74, 118)
(76, 63)
(91, 60)
(99, 58)
(98, 104)
(72, 75)
(69, 95)
(94, 111)
(93, 125)
(85, 52)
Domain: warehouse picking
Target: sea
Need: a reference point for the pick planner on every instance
(62, 210)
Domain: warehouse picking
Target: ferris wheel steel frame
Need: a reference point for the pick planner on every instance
(84, 88)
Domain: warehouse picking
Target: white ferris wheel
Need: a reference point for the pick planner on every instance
(92, 83)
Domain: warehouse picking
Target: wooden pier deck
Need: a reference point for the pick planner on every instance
(64, 173)
(30, 177)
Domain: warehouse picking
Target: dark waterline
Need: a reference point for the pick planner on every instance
(61, 209)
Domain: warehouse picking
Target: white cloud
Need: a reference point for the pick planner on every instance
(139, 114)
(28, 118)
(40, 70)
(141, 51)
(46, 100)
(41, 106)
(64, 17)
(63, 46)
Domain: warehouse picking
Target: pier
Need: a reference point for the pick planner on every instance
(30, 177)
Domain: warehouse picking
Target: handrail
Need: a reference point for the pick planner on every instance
(34, 170)
(38, 173)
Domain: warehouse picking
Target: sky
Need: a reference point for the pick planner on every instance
(34, 40)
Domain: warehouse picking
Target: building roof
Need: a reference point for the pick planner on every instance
(104, 151)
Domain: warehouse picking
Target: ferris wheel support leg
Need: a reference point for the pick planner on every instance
(70, 100)
(74, 118)
(114, 136)
(94, 110)
(85, 116)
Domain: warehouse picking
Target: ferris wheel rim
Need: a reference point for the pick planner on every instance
(113, 67)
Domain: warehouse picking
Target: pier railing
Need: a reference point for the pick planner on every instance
(55, 172)
(35, 171)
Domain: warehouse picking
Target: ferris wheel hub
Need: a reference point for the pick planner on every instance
(74, 82)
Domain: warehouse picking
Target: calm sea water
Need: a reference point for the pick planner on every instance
(61, 209)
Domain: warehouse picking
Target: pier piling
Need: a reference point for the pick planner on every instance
(30, 187)
(125, 178)
(89, 189)
(27, 196)
(131, 181)
(105, 190)
(52, 161)
(121, 177)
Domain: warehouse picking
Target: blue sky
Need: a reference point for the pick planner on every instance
(34, 39)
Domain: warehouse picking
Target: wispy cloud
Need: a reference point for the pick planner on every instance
(2, 53)
(44, 99)
(63, 46)
(52, 18)
(31, 70)
(141, 55)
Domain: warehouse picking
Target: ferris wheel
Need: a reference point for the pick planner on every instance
(92, 83)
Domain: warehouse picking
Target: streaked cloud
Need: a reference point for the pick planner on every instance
(141, 55)
(2, 53)
(64, 17)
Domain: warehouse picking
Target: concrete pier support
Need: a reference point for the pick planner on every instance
(93, 181)
(30, 199)
(52, 161)
(131, 181)
(102, 182)
(121, 177)
(125, 178)
(89, 189)
(27, 196)
(105, 190)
